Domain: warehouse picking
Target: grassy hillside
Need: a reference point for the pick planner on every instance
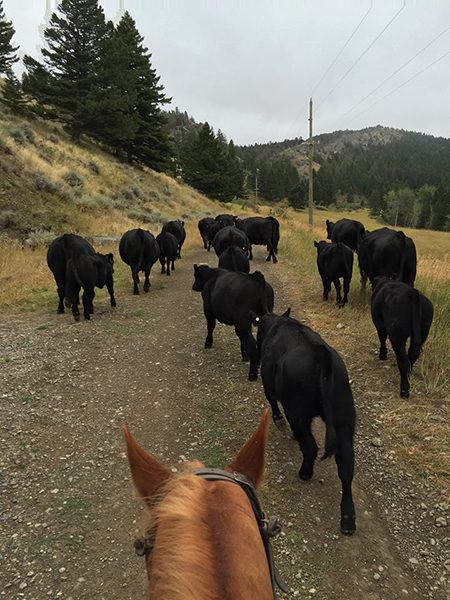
(72, 188)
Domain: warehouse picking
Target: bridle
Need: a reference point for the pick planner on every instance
(268, 527)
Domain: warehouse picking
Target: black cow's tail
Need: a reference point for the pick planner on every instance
(416, 330)
(140, 265)
(70, 248)
(402, 238)
(275, 237)
(258, 278)
(328, 390)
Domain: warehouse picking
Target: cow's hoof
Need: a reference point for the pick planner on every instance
(136, 292)
(208, 345)
(383, 356)
(252, 376)
(348, 526)
(304, 474)
(113, 303)
(60, 311)
(77, 318)
(275, 260)
(268, 259)
(404, 394)
(245, 358)
(280, 423)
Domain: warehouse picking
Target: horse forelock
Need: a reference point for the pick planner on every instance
(207, 544)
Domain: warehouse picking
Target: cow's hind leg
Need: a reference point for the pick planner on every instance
(211, 324)
(345, 464)
(248, 346)
(250, 253)
(61, 295)
(403, 365)
(88, 298)
(162, 260)
(173, 263)
(277, 417)
(147, 280)
(302, 433)
(337, 285)
(135, 276)
(382, 336)
(326, 288)
(168, 266)
(110, 287)
(347, 280)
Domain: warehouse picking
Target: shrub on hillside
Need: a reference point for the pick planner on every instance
(74, 179)
(9, 219)
(43, 184)
(127, 193)
(94, 167)
(54, 139)
(22, 134)
(166, 190)
(141, 215)
(153, 195)
(39, 238)
(137, 191)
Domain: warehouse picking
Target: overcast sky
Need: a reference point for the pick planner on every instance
(249, 66)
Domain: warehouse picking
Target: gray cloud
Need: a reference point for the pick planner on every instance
(248, 67)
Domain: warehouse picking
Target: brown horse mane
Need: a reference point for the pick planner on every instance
(182, 535)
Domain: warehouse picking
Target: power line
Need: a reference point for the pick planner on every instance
(393, 74)
(363, 54)
(401, 85)
(329, 68)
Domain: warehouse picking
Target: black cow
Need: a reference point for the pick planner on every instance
(347, 231)
(309, 378)
(335, 261)
(212, 232)
(230, 297)
(139, 250)
(234, 259)
(177, 229)
(59, 252)
(75, 265)
(400, 312)
(261, 231)
(226, 220)
(230, 236)
(389, 253)
(168, 249)
(204, 225)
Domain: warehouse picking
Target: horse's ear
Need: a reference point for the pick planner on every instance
(251, 460)
(148, 475)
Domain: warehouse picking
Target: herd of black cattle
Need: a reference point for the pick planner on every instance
(298, 368)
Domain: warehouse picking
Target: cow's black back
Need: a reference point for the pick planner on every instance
(347, 231)
(230, 236)
(234, 259)
(389, 253)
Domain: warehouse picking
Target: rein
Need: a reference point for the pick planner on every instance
(268, 527)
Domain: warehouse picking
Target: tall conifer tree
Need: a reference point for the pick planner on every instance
(76, 39)
(8, 52)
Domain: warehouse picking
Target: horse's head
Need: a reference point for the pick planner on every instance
(203, 537)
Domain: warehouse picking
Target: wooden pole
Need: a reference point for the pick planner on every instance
(311, 151)
(256, 185)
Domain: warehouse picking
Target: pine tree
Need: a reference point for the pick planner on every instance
(205, 165)
(13, 96)
(76, 39)
(8, 54)
(150, 144)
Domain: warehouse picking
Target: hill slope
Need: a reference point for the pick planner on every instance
(47, 179)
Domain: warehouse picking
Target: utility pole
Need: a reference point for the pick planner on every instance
(256, 185)
(311, 152)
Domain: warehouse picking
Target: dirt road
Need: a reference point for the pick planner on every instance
(68, 517)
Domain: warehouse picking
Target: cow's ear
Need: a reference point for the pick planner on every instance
(256, 319)
(182, 222)
(111, 258)
(327, 221)
(287, 313)
(251, 460)
(316, 245)
(195, 268)
(148, 475)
